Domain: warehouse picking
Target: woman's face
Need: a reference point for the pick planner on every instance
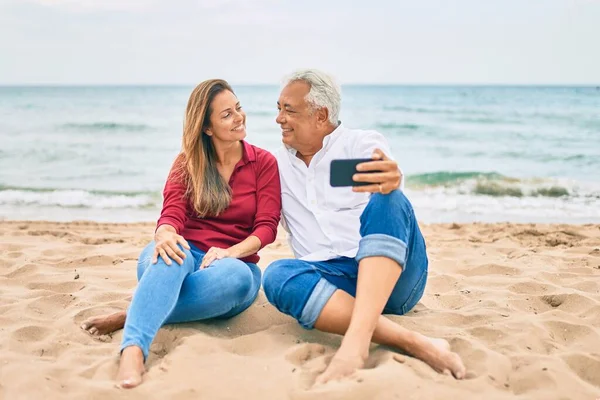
(227, 119)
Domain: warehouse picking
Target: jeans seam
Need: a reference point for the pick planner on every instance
(328, 271)
(145, 259)
(413, 293)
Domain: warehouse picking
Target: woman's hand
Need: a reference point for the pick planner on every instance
(166, 242)
(214, 253)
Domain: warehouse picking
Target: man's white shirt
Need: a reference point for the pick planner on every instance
(323, 222)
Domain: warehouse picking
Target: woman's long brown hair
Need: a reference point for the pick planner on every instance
(196, 165)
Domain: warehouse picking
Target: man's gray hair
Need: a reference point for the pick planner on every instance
(324, 91)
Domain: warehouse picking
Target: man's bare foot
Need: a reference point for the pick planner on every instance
(436, 353)
(131, 367)
(104, 324)
(346, 361)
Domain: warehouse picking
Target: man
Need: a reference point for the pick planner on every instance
(359, 252)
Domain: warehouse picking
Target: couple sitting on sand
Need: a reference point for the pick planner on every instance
(359, 252)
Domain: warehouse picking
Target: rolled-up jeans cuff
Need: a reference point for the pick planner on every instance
(380, 245)
(317, 300)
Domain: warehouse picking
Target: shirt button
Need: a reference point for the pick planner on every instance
(313, 202)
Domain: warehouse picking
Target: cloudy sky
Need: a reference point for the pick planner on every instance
(258, 41)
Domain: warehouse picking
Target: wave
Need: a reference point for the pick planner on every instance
(498, 185)
(77, 198)
(105, 126)
(448, 177)
(391, 125)
(490, 120)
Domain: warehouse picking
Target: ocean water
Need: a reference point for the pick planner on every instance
(520, 154)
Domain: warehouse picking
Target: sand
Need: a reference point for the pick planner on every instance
(519, 303)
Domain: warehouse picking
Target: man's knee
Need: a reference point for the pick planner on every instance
(394, 203)
(390, 214)
(274, 279)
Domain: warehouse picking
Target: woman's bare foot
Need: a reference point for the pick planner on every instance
(104, 324)
(436, 353)
(131, 367)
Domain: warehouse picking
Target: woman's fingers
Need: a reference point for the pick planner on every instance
(175, 255)
(164, 256)
(207, 260)
(177, 251)
(183, 242)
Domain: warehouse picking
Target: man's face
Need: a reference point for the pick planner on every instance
(299, 125)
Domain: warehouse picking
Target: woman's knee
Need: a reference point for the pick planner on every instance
(145, 259)
(240, 277)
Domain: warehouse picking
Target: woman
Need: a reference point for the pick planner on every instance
(222, 203)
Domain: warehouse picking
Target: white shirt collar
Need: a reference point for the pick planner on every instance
(326, 140)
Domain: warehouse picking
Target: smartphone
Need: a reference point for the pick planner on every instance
(342, 171)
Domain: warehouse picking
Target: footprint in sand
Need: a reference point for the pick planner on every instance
(57, 287)
(14, 254)
(587, 367)
(23, 271)
(312, 359)
(567, 333)
(490, 269)
(303, 353)
(31, 333)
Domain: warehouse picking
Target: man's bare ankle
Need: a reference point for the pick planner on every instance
(413, 342)
(360, 332)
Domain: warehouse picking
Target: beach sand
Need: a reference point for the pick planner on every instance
(519, 303)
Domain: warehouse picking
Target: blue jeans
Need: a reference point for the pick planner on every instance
(388, 228)
(183, 293)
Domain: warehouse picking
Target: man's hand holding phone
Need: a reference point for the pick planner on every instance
(378, 175)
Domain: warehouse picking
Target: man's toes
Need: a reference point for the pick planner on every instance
(459, 373)
(93, 330)
(322, 379)
(458, 369)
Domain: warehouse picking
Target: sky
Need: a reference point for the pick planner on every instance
(260, 41)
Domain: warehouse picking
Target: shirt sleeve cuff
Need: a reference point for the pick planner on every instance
(265, 235)
(169, 221)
